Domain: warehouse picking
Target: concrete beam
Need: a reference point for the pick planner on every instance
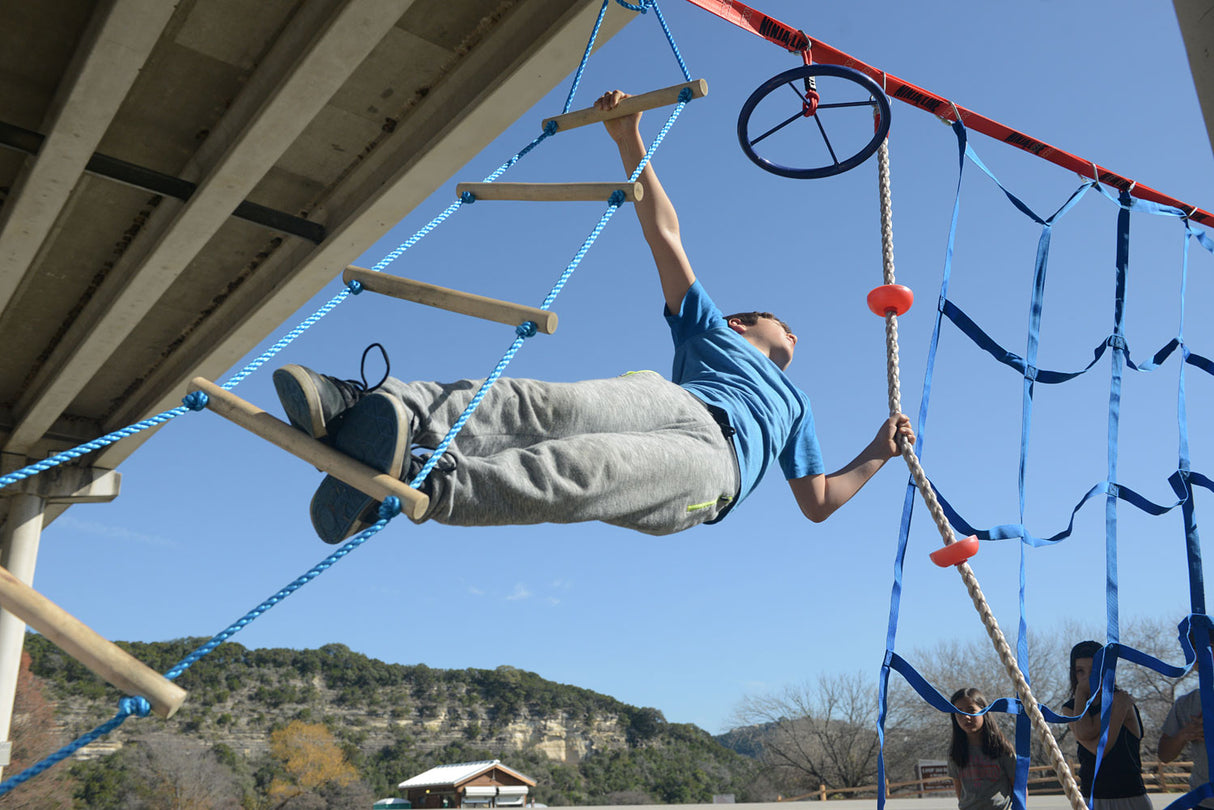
(317, 73)
(113, 49)
(1196, 18)
(460, 116)
(70, 485)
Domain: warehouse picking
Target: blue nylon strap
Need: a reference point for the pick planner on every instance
(937, 699)
(1200, 362)
(908, 503)
(1182, 482)
(1017, 531)
(1047, 377)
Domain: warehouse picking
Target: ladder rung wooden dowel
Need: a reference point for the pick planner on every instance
(102, 657)
(478, 306)
(358, 475)
(551, 192)
(645, 101)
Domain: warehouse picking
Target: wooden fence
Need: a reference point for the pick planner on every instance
(1160, 777)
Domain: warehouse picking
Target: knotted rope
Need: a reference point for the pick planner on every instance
(1004, 650)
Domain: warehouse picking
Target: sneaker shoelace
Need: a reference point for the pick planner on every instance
(353, 390)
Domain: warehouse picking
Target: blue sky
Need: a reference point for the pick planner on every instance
(212, 520)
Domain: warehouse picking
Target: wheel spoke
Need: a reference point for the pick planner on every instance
(826, 140)
(793, 87)
(777, 128)
(837, 104)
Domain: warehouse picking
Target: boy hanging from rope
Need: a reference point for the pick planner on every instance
(636, 451)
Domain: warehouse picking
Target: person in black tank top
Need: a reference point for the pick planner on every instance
(1118, 783)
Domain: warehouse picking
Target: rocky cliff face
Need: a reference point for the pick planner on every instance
(238, 709)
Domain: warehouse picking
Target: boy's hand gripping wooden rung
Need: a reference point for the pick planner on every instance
(551, 192)
(478, 306)
(633, 104)
(358, 475)
(102, 657)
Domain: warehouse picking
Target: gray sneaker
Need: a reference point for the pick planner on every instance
(376, 432)
(314, 403)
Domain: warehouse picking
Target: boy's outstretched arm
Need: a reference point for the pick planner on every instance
(820, 495)
(659, 222)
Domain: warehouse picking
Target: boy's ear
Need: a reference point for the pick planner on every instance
(736, 325)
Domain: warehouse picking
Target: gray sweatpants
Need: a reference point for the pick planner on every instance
(635, 451)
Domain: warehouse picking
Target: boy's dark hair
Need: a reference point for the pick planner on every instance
(994, 744)
(751, 318)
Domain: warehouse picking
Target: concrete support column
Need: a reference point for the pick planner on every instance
(19, 540)
(23, 531)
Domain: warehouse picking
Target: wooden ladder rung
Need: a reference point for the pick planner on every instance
(633, 104)
(478, 306)
(101, 656)
(358, 475)
(551, 192)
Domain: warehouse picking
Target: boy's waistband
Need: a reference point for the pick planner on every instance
(722, 419)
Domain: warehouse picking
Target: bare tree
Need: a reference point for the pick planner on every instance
(824, 733)
(176, 773)
(35, 734)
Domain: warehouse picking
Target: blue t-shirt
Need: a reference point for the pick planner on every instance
(771, 416)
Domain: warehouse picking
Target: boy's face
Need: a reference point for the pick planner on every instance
(770, 338)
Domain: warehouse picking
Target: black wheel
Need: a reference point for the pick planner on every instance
(846, 93)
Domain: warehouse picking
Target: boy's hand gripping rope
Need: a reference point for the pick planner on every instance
(1027, 700)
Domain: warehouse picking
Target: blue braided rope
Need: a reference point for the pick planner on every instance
(523, 332)
(389, 509)
(165, 416)
(126, 707)
(577, 74)
(640, 7)
(286, 340)
(527, 330)
(670, 38)
(139, 706)
(88, 447)
(466, 199)
(684, 96)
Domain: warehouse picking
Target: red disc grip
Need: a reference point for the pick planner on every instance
(955, 553)
(890, 297)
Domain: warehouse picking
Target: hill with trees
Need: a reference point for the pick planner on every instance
(365, 726)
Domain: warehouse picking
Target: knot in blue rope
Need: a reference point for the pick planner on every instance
(390, 508)
(467, 197)
(642, 6)
(195, 400)
(551, 127)
(1117, 342)
(354, 286)
(685, 94)
(137, 706)
(526, 330)
(616, 199)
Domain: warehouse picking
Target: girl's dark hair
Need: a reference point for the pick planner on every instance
(1084, 649)
(994, 744)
